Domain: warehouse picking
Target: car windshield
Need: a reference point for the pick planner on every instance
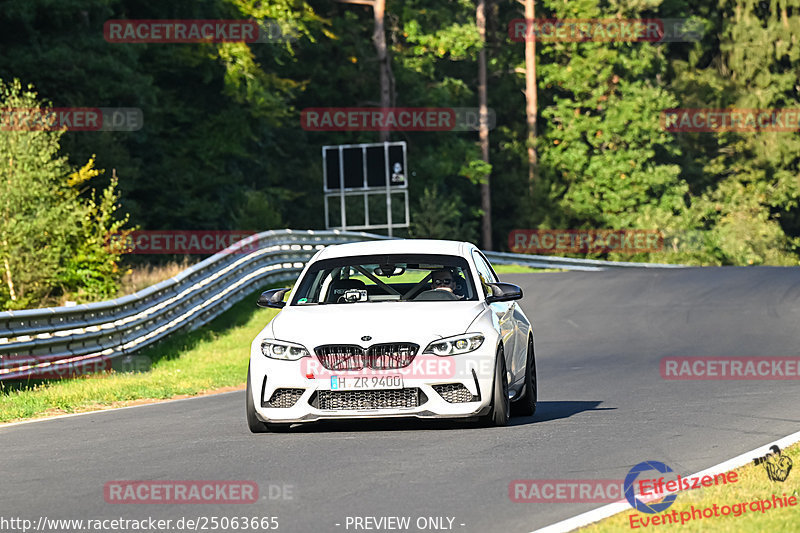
(385, 278)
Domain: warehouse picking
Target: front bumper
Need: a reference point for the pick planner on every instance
(457, 386)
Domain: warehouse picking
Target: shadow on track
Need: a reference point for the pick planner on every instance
(546, 411)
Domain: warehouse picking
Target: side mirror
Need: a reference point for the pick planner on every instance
(272, 298)
(503, 292)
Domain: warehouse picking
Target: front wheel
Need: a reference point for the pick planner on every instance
(255, 425)
(501, 408)
(526, 405)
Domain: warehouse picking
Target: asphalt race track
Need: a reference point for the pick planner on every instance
(603, 408)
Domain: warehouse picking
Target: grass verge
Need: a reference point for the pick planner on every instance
(752, 485)
(211, 358)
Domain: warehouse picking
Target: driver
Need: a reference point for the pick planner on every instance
(443, 280)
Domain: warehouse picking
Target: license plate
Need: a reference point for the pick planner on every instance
(394, 381)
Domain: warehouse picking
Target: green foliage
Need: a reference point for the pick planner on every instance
(222, 147)
(606, 162)
(457, 41)
(439, 216)
(52, 241)
(258, 212)
(92, 267)
(745, 185)
(604, 156)
(477, 171)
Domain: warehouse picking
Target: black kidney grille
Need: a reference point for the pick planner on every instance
(341, 356)
(378, 356)
(390, 356)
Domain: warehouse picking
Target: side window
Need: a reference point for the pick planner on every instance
(484, 271)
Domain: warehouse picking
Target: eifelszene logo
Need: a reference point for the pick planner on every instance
(635, 502)
(775, 463)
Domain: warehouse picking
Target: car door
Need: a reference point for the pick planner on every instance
(504, 317)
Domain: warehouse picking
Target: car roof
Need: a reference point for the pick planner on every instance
(396, 246)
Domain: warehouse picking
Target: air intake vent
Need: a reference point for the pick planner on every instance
(455, 393)
(284, 398)
(372, 399)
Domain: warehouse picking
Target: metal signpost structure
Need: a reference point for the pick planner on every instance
(365, 170)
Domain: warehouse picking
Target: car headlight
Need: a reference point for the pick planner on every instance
(455, 345)
(287, 351)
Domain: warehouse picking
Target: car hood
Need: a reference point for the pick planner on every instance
(420, 322)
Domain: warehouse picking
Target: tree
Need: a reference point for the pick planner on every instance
(483, 133)
(382, 53)
(745, 185)
(531, 96)
(52, 240)
(608, 162)
(221, 144)
(218, 117)
(439, 217)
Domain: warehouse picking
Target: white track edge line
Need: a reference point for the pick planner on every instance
(589, 517)
(111, 409)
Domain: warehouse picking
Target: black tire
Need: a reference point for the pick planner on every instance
(526, 405)
(255, 425)
(500, 411)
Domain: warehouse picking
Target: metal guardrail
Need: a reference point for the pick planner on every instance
(566, 263)
(54, 340)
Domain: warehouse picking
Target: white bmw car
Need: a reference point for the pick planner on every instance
(394, 328)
